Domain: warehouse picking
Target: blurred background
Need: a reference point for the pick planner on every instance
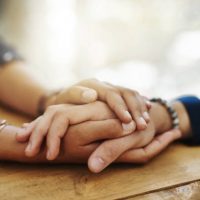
(151, 46)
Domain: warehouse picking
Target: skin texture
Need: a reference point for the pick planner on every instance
(27, 90)
(84, 141)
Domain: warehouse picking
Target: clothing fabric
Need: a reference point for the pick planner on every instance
(192, 105)
(7, 54)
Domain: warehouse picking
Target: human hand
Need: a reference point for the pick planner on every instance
(100, 138)
(156, 146)
(138, 147)
(85, 140)
(122, 101)
(72, 95)
(135, 148)
(53, 125)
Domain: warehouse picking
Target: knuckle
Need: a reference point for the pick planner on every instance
(113, 90)
(128, 91)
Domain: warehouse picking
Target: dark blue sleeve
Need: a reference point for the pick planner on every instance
(192, 105)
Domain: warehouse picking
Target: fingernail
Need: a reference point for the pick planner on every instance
(28, 148)
(148, 103)
(142, 123)
(127, 114)
(128, 128)
(89, 95)
(97, 164)
(146, 116)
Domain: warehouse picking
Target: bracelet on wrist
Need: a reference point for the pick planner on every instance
(3, 124)
(172, 112)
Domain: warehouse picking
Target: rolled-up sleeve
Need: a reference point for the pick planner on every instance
(192, 105)
(7, 54)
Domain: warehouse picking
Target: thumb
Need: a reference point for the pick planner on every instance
(77, 95)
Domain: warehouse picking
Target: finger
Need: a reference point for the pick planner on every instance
(147, 102)
(109, 151)
(77, 95)
(144, 108)
(90, 112)
(134, 106)
(27, 130)
(38, 134)
(92, 131)
(117, 104)
(112, 96)
(157, 145)
(56, 132)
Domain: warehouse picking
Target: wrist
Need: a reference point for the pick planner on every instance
(163, 122)
(184, 119)
(161, 118)
(8, 143)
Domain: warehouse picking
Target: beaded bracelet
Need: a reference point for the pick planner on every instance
(3, 124)
(172, 112)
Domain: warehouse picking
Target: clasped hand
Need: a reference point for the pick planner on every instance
(98, 123)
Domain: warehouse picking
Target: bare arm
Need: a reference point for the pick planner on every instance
(19, 89)
(82, 139)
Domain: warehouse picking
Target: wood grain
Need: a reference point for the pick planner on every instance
(185, 192)
(176, 166)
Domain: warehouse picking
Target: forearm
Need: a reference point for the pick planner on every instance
(19, 89)
(11, 150)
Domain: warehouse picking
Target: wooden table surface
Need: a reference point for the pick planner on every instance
(173, 175)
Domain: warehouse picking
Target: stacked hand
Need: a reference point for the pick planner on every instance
(117, 127)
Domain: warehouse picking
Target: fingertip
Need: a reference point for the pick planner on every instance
(141, 124)
(49, 156)
(177, 134)
(126, 117)
(29, 150)
(128, 128)
(146, 116)
(52, 154)
(148, 104)
(96, 164)
(23, 136)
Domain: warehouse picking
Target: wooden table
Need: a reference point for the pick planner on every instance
(173, 175)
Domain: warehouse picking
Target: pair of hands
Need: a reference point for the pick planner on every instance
(96, 132)
(104, 142)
